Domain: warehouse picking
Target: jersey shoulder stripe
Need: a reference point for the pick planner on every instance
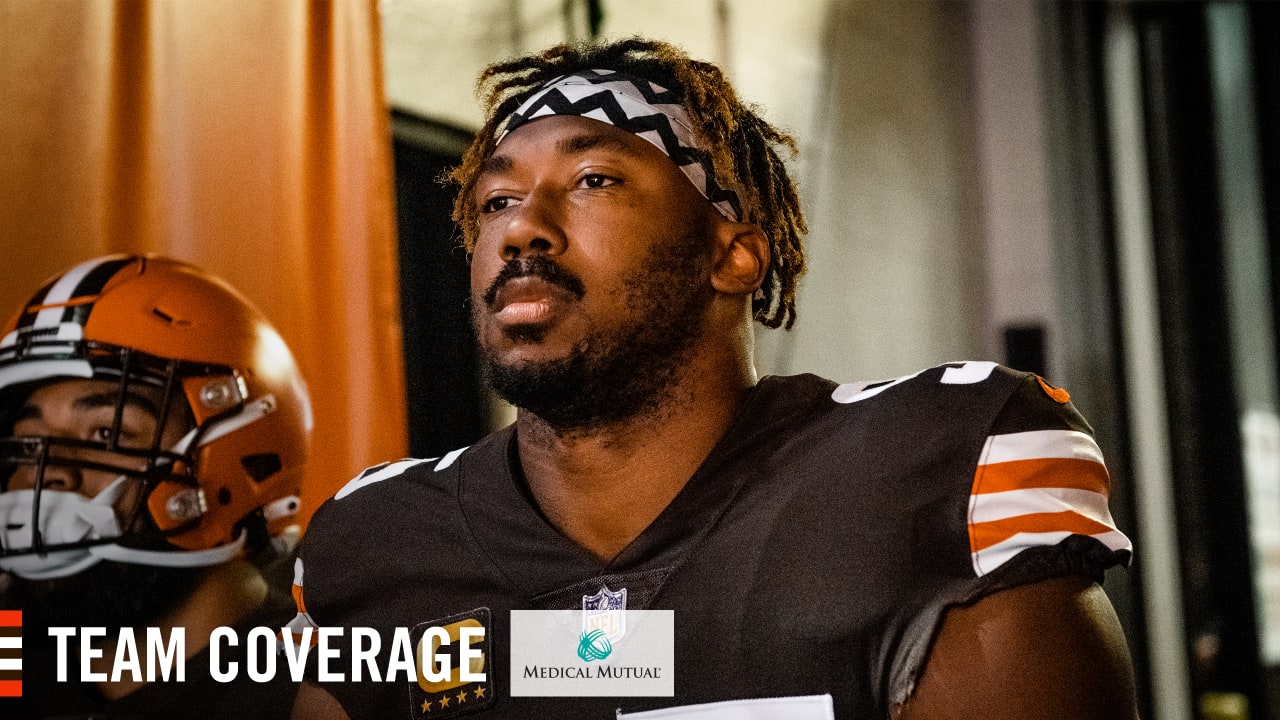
(378, 474)
(1034, 489)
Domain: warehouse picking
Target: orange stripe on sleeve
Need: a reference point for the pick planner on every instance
(984, 535)
(1041, 473)
(297, 598)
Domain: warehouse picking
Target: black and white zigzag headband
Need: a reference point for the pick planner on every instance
(638, 106)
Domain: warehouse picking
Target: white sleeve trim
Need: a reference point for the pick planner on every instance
(1040, 444)
(987, 507)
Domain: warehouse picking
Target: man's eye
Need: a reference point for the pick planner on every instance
(498, 203)
(102, 434)
(596, 180)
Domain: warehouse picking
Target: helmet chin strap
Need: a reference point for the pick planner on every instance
(65, 517)
(69, 517)
(171, 558)
(63, 563)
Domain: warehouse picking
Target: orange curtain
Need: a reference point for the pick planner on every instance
(249, 137)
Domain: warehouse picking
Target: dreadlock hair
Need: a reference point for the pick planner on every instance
(740, 143)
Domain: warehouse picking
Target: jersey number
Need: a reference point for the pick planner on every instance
(965, 373)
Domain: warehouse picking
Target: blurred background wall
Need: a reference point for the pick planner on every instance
(247, 137)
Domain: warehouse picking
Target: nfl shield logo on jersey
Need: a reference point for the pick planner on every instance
(605, 611)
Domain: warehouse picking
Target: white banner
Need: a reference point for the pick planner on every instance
(572, 653)
(801, 707)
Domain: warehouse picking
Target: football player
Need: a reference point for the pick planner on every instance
(926, 547)
(153, 429)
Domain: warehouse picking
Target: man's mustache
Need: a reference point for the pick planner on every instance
(539, 266)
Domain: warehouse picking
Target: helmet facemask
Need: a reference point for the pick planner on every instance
(211, 365)
(154, 493)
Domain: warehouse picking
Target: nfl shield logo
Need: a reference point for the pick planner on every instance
(605, 611)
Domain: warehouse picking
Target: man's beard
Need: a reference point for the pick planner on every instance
(620, 372)
(109, 594)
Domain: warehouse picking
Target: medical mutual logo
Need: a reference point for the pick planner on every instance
(10, 653)
(602, 650)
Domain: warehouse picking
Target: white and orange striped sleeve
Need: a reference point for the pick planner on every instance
(1037, 488)
(303, 619)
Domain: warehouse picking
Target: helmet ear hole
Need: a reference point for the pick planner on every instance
(261, 466)
(224, 496)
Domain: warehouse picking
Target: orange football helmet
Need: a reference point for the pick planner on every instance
(161, 322)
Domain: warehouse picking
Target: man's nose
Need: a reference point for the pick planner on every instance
(533, 227)
(52, 476)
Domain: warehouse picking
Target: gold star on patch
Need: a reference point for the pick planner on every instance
(462, 696)
(444, 701)
(479, 692)
(426, 706)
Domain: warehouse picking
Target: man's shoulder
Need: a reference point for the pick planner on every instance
(923, 433)
(404, 509)
(982, 379)
(421, 482)
(969, 393)
(429, 472)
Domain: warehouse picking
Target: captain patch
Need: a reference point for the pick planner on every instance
(454, 673)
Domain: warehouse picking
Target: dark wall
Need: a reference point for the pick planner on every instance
(447, 406)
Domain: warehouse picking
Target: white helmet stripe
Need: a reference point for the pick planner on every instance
(64, 290)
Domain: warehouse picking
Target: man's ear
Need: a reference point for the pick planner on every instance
(741, 259)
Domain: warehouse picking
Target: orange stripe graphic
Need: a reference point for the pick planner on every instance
(11, 621)
(984, 535)
(297, 598)
(85, 299)
(1041, 473)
